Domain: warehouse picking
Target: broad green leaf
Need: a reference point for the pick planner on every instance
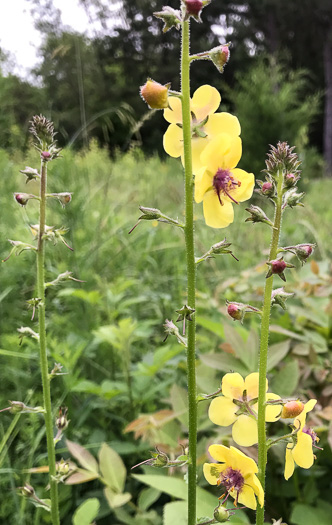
(225, 363)
(175, 512)
(86, 512)
(252, 351)
(212, 326)
(83, 456)
(285, 381)
(233, 338)
(280, 330)
(87, 387)
(305, 515)
(112, 468)
(116, 500)
(178, 398)
(147, 497)
(276, 353)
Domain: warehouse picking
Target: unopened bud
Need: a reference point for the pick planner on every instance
(279, 297)
(302, 251)
(290, 180)
(28, 491)
(62, 421)
(277, 267)
(292, 409)
(30, 173)
(62, 467)
(45, 155)
(155, 94)
(171, 18)
(64, 197)
(291, 198)
(23, 198)
(220, 56)
(221, 514)
(257, 215)
(267, 188)
(235, 311)
(193, 8)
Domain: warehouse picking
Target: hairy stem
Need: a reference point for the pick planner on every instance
(191, 270)
(264, 344)
(43, 351)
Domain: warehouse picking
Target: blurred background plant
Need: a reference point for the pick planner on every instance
(125, 386)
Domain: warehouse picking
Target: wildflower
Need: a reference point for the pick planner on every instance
(206, 123)
(237, 406)
(236, 472)
(219, 182)
(301, 453)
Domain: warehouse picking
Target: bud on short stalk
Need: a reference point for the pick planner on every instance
(221, 514)
(155, 94)
(290, 180)
(291, 198)
(220, 56)
(277, 267)
(302, 251)
(238, 310)
(258, 215)
(23, 198)
(292, 409)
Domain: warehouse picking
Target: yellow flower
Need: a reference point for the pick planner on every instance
(236, 472)
(206, 124)
(219, 183)
(234, 407)
(301, 454)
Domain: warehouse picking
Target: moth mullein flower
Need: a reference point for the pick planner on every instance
(206, 123)
(236, 473)
(219, 183)
(237, 407)
(301, 453)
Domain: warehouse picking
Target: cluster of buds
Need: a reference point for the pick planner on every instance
(42, 130)
(282, 159)
(238, 310)
(160, 460)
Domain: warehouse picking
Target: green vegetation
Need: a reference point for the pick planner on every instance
(108, 335)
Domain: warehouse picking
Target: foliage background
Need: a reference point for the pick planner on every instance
(107, 332)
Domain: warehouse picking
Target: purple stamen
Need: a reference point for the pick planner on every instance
(223, 182)
(231, 479)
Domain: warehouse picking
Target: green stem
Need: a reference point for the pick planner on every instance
(264, 344)
(43, 351)
(191, 270)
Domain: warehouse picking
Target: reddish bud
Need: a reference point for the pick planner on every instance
(278, 266)
(267, 188)
(21, 198)
(292, 409)
(219, 56)
(194, 7)
(155, 94)
(45, 155)
(235, 311)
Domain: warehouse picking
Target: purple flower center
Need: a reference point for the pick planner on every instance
(312, 434)
(224, 183)
(231, 479)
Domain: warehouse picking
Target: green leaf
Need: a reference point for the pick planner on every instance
(233, 338)
(175, 512)
(81, 476)
(147, 497)
(285, 381)
(225, 363)
(87, 512)
(305, 515)
(112, 468)
(116, 500)
(21, 355)
(276, 353)
(212, 326)
(83, 456)
(252, 351)
(178, 398)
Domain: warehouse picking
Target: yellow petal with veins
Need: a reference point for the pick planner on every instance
(247, 497)
(215, 215)
(206, 100)
(222, 411)
(214, 154)
(245, 190)
(242, 462)
(244, 431)
(203, 183)
(173, 141)
(212, 471)
(232, 385)
(251, 385)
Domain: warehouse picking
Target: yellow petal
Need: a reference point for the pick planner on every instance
(222, 411)
(220, 453)
(215, 214)
(309, 405)
(254, 482)
(203, 183)
(222, 123)
(232, 158)
(251, 385)
(241, 462)
(232, 385)
(173, 141)
(247, 497)
(173, 115)
(289, 463)
(302, 452)
(211, 472)
(197, 147)
(245, 190)
(214, 154)
(244, 431)
(206, 100)
(272, 412)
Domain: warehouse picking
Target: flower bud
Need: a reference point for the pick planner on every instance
(30, 173)
(290, 180)
(45, 155)
(64, 197)
(23, 198)
(279, 297)
(235, 311)
(291, 198)
(221, 514)
(292, 409)
(268, 189)
(193, 8)
(27, 491)
(171, 18)
(62, 421)
(155, 94)
(220, 56)
(258, 215)
(277, 267)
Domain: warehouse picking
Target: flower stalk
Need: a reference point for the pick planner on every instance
(191, 269)
(264, 344)
(42, 347)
